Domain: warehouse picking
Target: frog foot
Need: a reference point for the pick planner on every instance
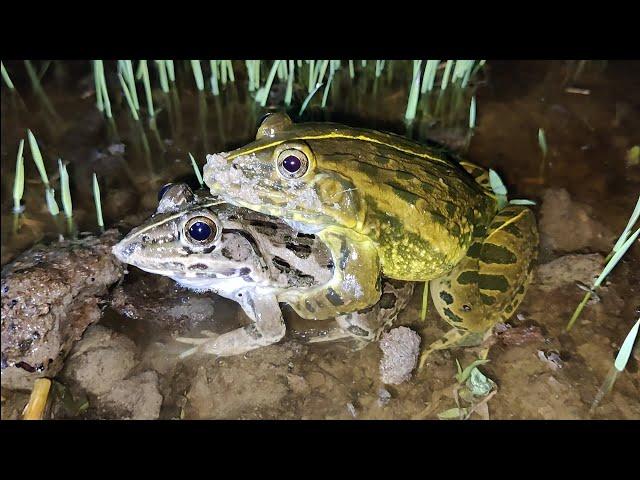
(452, 339)
(267, 327)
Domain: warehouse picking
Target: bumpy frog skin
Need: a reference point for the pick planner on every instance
(247, 257)
(383, 203)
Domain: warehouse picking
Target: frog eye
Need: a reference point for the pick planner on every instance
(163, 190)
(201, 230)
(292, 163)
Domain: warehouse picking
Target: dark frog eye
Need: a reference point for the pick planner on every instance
(163, 190)
(201, 230)
(292, 163)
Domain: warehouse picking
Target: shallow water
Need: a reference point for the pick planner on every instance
(588, 136)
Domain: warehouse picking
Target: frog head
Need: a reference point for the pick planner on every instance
(289, 172)
(186, 240)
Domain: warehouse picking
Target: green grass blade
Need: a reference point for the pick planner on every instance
(308, 99)
(215, 89)
(630, 224)
(67, 206)
(425, 302)
(447, 72)
(127, 95)
(311, 75)
(98, 84)
(102, 85)
(223, 71)
(197, 74)
(162, 71)
(542, 141)
(264, 92)
(616, 258)
(97, 201)
(196, 169)
(322, 70)
(289, 93)
(352, 71)
(429, 76)
(625, 351)
(131, 80)
(472, 113)
(232, 77)
(170, 70)
(6, 78)
(37, 158)
(414, 92)
(18, 183)
(147, 87)
(326, 90)
(607, 269)
(52, 205)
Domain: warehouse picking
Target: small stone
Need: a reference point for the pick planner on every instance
(400, 348)
(383, 397)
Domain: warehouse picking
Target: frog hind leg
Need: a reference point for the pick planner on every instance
(267, 327)
(355, 283)
(489, 283)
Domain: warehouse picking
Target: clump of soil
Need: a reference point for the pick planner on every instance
(50, 294)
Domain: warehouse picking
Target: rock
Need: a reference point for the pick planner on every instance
(160, 303)
(50, 294)
(383, 397)
(136, 398)
(400, 348)
(568, 226)
(100, 360)
(569, 269)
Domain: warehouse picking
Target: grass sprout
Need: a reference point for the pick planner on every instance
(619, 365)
(472, 113)
(414, 92)
(97, 201)
(214, 77)
(197, 74)
(308, 99)
(67, 206)
(162, 72)
(425, 302)
(542, 141)
(196, 169)
(147, 87)
(620, 248)
(6, 78)
(263, 93)
(18, 183)
(102, 94)
(129, 98)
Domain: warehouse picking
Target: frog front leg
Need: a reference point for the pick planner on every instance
(267, 327)
(355, 283)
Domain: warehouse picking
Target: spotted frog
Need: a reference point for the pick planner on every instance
(384, 204)
(251, 258)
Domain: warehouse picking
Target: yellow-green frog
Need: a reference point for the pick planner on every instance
(383, 203)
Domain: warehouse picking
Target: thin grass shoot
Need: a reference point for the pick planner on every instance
(67, 206)
(197, 74)
(196, 169)
(97, 201)
(18, 182)
(6, 78)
